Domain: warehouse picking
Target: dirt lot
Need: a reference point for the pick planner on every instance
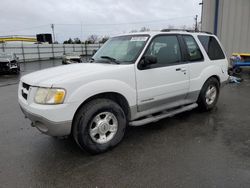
(192, 149)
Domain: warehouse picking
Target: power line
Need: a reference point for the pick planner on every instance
(126, 23)
(27, 28)
(97, 24)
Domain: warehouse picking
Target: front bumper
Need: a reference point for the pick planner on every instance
(46, 126)
(54, 120)
(8, 66)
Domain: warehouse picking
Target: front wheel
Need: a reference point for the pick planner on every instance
(99, 125)
(209, 95)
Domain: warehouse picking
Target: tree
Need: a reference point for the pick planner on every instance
(133, 31)
(77, 41)
(104, 39)
(92, 39)
(70, 41)
(144, 29)
(184, 27)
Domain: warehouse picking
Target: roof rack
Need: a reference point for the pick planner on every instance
(186, 30)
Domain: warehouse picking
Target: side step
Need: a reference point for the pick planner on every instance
(164, 114)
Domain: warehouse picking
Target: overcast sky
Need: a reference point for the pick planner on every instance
(81, 18)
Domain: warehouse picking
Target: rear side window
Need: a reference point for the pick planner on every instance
(193, 49)
(212, 47)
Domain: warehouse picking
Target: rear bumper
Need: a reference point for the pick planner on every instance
(46, 126)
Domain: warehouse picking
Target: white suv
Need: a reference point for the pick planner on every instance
(133, 79)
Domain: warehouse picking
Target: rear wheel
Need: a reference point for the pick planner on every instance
(209, 94)
(99, 125)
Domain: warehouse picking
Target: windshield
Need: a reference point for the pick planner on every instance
(122, 49)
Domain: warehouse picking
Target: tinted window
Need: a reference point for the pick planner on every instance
(212, 47)
(166, 49)
(193, 49)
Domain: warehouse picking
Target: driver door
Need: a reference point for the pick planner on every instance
(166, 83)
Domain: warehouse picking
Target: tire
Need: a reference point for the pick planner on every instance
(99, 126)
(209, 95)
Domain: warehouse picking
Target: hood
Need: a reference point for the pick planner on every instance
(50, 76)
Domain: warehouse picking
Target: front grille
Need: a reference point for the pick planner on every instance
(25, 90)
(13, 63)
(25, 96)
(26, 86)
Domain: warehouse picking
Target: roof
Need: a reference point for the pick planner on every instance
(168, 31)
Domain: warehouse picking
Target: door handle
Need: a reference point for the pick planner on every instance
(181, 69)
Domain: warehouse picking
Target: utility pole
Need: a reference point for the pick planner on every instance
(196, 23)
(81, 33)
(53, 32)
(201, 4)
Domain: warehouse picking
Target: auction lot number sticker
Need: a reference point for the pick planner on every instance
(139, 39)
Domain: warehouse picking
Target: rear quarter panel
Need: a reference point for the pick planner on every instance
(201, 71)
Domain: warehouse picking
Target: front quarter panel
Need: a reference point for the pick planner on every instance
(102, 86)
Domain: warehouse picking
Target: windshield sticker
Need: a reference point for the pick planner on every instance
(139, 39)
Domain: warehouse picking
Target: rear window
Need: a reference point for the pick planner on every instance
(194, 51)
(212, 47)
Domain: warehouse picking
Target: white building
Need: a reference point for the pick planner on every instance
(230, 21)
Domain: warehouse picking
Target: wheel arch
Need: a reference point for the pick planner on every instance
(213, 76)
(114, 96)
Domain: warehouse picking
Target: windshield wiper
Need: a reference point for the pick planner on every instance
(111, 59)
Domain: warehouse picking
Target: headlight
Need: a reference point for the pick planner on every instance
(49, 96)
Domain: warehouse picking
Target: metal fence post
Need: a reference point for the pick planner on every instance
(86, 50)
(64, 49)
(82, 48)
(38, 51)
(53, 54)
(3, 47)
(74, 48)
(23, 52)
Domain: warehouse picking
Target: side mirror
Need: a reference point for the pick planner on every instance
(147, 61)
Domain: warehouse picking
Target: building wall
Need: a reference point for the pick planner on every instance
(233, 23)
